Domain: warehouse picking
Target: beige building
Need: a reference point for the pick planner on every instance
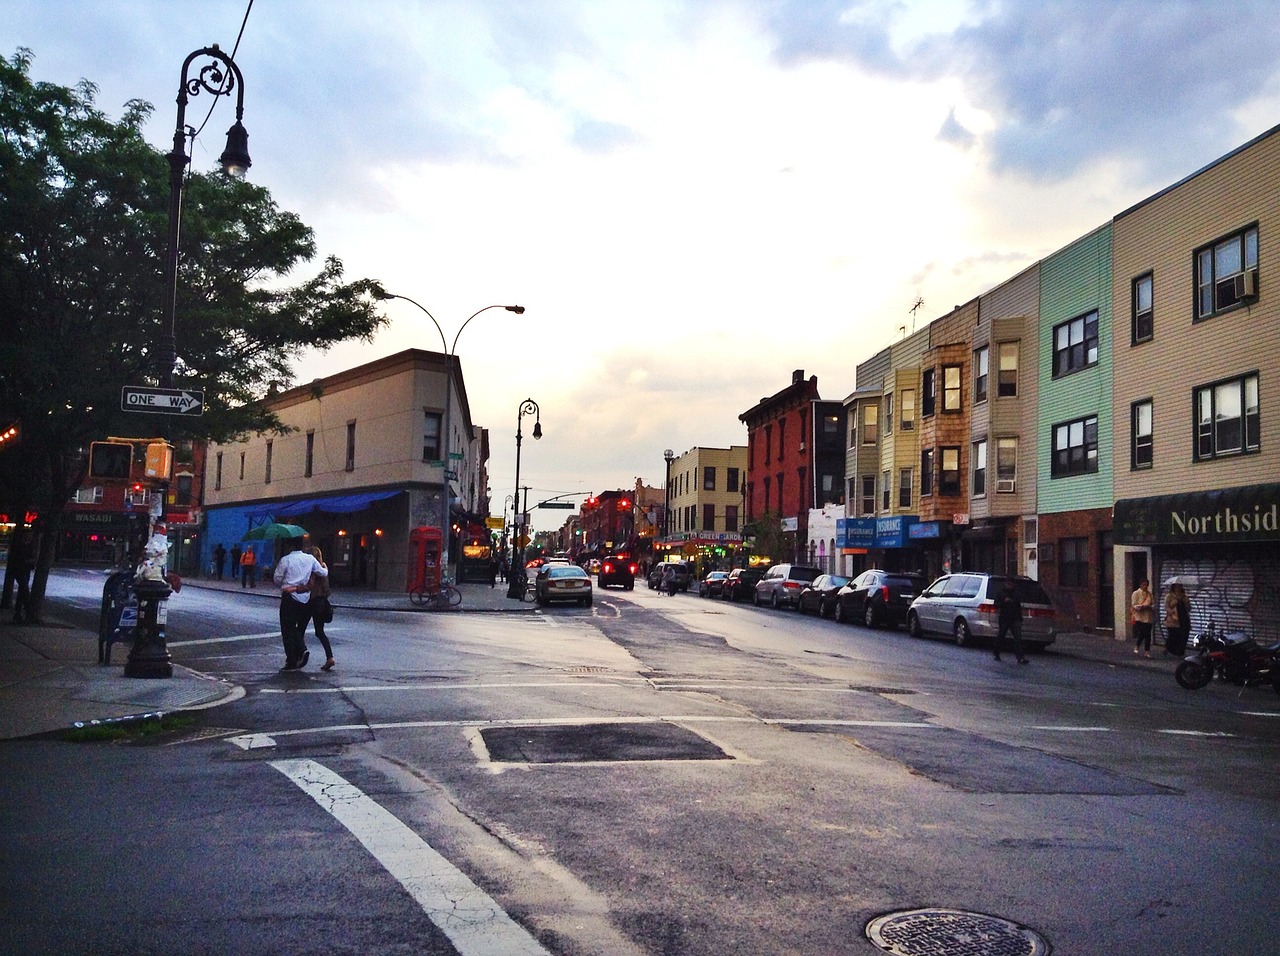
(706, 489)
(362, 464)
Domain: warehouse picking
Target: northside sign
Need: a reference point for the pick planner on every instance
(162, 401)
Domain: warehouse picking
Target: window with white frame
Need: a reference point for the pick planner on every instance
(1226, 273)
(1142, 309)
(870, 424)
(1141, 441)
(886, 492)
(951, 393)
(949, 473)
(88, 496)
(1007, 370)
(904, 488)
(907, 409)
(1228, 421)
(980, 468)
(888, 414)
(981, 373)
(431, 429)
(1006, 465)
(927, 458)
(928, 391)
(1075, 344)
(1075, 447)
(867, 500)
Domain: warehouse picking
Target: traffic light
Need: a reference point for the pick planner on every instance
(623, 504)
(109, 460)
(159, 461)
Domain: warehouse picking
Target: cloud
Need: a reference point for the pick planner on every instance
(954, 132)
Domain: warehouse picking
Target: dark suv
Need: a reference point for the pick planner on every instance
(618, 569)
(741, 583)
(879, 598)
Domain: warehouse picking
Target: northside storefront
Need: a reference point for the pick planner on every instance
(1223, 545)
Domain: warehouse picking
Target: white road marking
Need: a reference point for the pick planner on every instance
(1070, 729)
(1196, 733)
(224, 640)
(253, 741)
(473, 921)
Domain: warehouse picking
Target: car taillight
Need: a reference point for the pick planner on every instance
(795, 585)
(608, 567)
(635, 568)
(986, 607)
(1041, 612)
(884, 593)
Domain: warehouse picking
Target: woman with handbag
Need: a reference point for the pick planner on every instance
(321, 611)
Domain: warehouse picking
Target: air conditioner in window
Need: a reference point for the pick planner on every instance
(1006, 485)
(1245, 285)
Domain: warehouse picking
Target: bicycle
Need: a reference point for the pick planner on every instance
(445, 597)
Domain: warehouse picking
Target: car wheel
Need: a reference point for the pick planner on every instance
(964, 637)
(631, 586)
(913, 624)
(773, 600)
(800, 608)
(586, 602)
(841, 616)
(869, 617)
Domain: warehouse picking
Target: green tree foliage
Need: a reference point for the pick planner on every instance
(83, 239)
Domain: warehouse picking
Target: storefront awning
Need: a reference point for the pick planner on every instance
(1222, 516)
(330, 504)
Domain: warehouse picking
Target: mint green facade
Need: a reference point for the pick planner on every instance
(1074, 282)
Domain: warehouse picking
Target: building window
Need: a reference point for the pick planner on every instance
(266, 475)
(709, 478)
(1007, 360)
(731, 518)
(949, 475)
(781, 478)
(979, 468)
(981, 372)
(768, 489)
(886, 492)
(217, 472)
(1075, 344)
(1073, 562)
(888, 414)
(782, 438)
(351, 446)
(951, 394)
(907, 409)
(242, 466)
(904, 488)
(1141, 440)
(1226, 273)
(870, 424)
(868, 496)
(1144, 328)
(928, 391)
(831, 427)
(1006, 465)
(708, 517)
(1227, 419)
(768, 443)
(431, 426)
(926, 471)
(311, 455)
(88, 496)
(1075, 447)
(731, 480)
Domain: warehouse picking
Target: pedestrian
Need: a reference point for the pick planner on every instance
(249, 568)
(1142, 612)
(669, 580)
(1177, 619)
(504, 568)
(319, 610)
(235, 561)
(1010, 620)
(493, 571)
(219, 560)
(293, 574)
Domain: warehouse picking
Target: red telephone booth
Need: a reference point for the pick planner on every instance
(424, 559)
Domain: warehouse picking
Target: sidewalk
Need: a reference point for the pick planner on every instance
(50, 677)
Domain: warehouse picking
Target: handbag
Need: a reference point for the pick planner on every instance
(327, 614)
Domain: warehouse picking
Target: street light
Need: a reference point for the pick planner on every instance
(668, 456)
(219, 77)
(445, 523)
(517, 579)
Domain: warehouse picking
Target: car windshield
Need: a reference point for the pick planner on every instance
(565, 571)
(903, 581)
(836, 581)
(803, 574)
(1028, 591)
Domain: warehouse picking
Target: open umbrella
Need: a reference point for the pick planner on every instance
(265, 532)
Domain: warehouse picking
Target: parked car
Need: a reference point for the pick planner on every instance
(618, 569)
(964, 605)
(711, 584)
(879, 598)
(820, 596)
(741, 583)
(683, 573)
(782, 584)
(562, 582)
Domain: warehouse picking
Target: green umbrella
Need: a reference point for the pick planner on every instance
(265, 532)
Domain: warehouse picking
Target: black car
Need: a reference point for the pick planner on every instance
(712, 583)
(879, 598)
(820, 596)
(618, 569)
(740, 585)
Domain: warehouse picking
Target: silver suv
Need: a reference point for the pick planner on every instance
(782, 584)
(966, 607)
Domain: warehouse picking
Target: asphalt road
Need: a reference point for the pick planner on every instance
(652, 775)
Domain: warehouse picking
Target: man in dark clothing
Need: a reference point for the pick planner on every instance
(1010, 620)
(235, 561)
(220, 559)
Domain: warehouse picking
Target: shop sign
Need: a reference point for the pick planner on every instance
(925, 529)
(856, 532)
(790, 524)
(1225, 516)
(892, 531)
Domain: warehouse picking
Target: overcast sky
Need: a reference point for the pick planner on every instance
(691, 198)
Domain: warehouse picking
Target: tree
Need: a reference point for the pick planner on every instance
(83, 238)
(768, 537)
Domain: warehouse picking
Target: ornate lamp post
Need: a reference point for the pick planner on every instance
(219, 77)
(449, 352)
(517, 579)
(668, 456)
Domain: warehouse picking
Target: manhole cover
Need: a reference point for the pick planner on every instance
(594, 743)
(937, 932)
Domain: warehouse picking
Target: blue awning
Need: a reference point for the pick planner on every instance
(331, 504)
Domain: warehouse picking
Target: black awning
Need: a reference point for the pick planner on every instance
(1243, 515)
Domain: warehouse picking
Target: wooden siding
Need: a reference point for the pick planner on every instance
(1074, 282)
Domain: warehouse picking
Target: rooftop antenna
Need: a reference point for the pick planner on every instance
(916, 306)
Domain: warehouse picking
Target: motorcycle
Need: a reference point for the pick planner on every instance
(1231, 656)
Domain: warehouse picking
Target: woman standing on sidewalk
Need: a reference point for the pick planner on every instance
(1143, 608)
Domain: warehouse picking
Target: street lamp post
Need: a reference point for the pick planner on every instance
(668, 456)
(446, 524)
(149, 656)
(517, 579)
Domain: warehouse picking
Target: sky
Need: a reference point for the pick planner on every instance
(690, 198)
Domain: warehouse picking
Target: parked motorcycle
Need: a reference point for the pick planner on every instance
(1233, 657)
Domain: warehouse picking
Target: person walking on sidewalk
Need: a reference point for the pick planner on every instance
(319, 610)
(1010, 620)
(249, 568)
(1177, 620)
(219, 560)
(293, 574)
(1143, 608)
(235, 561)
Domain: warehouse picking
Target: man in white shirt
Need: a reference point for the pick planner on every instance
(293, 574)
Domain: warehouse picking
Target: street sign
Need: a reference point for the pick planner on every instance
(456, 455)
(162, 401)
(556, 504)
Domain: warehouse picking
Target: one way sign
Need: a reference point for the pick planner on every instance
(162, 401)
